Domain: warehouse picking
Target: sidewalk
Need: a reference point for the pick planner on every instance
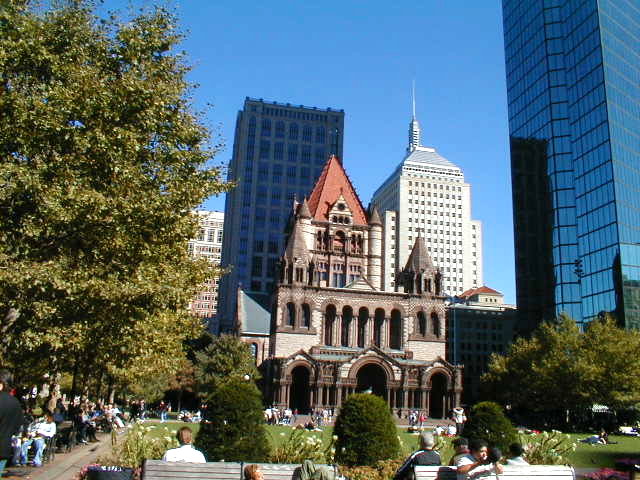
(65, 465)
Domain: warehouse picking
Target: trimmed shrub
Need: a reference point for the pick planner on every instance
(365, 430)
(233, 426)
(488, 422)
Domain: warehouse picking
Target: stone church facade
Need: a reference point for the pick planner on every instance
(333, 330)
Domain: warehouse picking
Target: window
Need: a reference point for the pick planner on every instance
(256, 266)
(293, 131)
(320, 134)
(306, 315)
(280, 129)
(265, 147)
(306, 133)
(306, 153)
(266, 127)
(278, 151)
(291, 314)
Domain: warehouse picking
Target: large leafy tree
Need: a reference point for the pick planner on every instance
(560, 369)
(102, 159)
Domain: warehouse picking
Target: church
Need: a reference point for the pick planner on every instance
(330, 329)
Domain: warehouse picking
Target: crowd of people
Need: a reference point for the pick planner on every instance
(472, 458)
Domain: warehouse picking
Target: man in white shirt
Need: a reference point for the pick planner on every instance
(41, 432)
(475, 464)
(185, 452)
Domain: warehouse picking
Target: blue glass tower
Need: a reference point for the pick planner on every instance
(278, 153)
(573, 80)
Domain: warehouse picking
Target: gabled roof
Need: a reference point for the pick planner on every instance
(253, 313)
(480, 290)
(419, 259)
(334, 181)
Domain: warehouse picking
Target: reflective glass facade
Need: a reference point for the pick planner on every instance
(279, 151)
(573, 79)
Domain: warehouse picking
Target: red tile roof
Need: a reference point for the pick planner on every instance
(475, 291)
(334, 181)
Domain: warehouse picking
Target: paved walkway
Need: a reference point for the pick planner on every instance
(65, 465)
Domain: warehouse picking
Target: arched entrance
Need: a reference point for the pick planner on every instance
(437, 396)
(372, 376)
(299, 392)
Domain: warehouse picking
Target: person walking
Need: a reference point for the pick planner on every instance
(11, 418)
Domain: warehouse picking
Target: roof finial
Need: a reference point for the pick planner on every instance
(414, 126)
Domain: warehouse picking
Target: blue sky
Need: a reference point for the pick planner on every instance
(361, 56)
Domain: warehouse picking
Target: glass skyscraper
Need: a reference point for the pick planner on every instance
(573, 80)
(278, 152)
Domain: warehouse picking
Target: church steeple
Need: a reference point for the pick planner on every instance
(414, 126)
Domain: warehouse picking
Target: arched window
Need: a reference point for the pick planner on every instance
(422, 324)
(319, 242)
(329, 320)
(254, 351)
(306, 315)
(338, 242)
(347, 316)
(266, 127)
(395, 330)
(291, 314)
(435, 324)
(293, 131)
(378, 323)
(363, 317)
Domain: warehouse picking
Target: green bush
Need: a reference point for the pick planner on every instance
(488, 422)
(141, 443)
(547, 448)
(366, 432)
(233, 426)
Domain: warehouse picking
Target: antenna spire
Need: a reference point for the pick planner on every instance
(413, 97)
(414, 125)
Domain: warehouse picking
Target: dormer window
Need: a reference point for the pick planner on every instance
(341, 206)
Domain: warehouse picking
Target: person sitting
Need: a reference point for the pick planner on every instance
(311, 471)
(185, 452)
(425, 456)
(252, 472)
(515, 455)
(40, 433)
(461, 448)
(477, 463)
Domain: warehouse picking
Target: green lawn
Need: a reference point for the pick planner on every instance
(585, 456)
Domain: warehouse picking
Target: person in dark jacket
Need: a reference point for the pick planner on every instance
(426, 456)
(10, 418)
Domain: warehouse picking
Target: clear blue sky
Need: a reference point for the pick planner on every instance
(361, 56)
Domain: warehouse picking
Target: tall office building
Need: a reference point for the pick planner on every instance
(207, 244)
(573, 79)
(279, 151)
(427, 196)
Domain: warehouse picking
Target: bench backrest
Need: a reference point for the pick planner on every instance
(158, 470)
(511, 472)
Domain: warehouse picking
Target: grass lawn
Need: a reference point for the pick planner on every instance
(585, 456)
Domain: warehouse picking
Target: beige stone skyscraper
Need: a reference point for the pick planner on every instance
(427, 196)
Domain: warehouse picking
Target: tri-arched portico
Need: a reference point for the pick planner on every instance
(308, 383)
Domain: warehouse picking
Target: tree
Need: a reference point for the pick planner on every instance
(102, 159)
(365, 430)
(233, 427)
(562, 371)
(543, 373)
(226, 358)
(488, 422)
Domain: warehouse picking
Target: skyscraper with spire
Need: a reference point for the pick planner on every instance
(427, 196)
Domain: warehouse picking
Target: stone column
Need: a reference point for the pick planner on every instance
(338, 395)
(384, 340)
(353, 332)
(337, 337)
(368, 332)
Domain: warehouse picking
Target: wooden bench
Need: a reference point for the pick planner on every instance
(511, 472)
(159, 470)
